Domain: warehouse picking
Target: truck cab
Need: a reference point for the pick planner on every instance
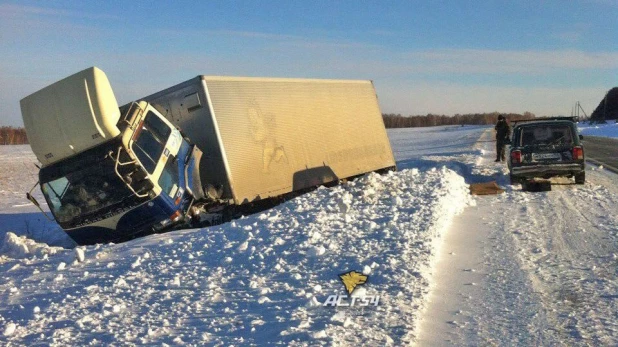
(130, 179)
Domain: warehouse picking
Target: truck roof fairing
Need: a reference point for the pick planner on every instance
(70, 116)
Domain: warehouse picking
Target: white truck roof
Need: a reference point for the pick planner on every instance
(70, 116)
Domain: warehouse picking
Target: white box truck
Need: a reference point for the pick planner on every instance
(196, 153)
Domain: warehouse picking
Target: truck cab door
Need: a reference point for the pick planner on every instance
(156, 144)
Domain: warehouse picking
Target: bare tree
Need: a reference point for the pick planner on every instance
(392, 120)
(13, 136)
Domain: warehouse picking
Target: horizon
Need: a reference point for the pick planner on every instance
(447, 58)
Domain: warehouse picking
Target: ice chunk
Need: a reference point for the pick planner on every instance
(9, 329)
(79, 254)
(316, 251)
(339, 317)
(320, 334)
(136, 263)
(257, 322)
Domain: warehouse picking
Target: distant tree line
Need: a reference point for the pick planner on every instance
(17, 136)
(13, 136)
(608, 107)
(392, 120)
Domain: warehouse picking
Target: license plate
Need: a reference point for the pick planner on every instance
(546, 156)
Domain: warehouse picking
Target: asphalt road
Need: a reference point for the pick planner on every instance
(602, 151)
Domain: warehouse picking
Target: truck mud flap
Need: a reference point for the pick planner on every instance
(313, 177)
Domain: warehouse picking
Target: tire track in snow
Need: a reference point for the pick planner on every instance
(568, 252)
(483, 296)
(548, 267)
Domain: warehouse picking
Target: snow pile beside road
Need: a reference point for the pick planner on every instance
(259, 279)
(604, 130)
(22, 247)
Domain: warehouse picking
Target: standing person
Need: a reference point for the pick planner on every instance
(503, 130)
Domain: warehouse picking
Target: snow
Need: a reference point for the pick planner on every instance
(15, 246)
(605, 130)
(9, 329)
(18, 174)
(448, 268)
(528, 268)
(275, 268)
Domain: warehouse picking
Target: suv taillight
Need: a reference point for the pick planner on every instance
(578, 153)
(516, 157)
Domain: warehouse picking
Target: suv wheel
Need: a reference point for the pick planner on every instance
(580, 178)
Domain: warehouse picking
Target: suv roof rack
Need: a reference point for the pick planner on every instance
(572, 119)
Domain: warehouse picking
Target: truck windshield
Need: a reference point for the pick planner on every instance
(81, 193)
(151, 141)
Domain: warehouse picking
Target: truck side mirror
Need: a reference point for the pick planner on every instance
(36, 203)
(581, 137)
(32, 200)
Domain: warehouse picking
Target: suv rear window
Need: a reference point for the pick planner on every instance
(546, 134)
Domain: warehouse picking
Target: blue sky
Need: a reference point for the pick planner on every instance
(443, 57)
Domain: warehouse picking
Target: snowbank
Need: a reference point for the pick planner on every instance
(606, 130)
(22, 247)
(259, 279)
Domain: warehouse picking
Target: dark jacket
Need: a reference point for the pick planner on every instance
(503, 131)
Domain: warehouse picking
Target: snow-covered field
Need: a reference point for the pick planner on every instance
(537, 268)
(18, 174)
(606, 130)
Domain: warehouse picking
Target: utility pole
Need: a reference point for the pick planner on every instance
(579, 107)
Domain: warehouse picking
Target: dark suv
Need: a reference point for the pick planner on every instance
(546, 147)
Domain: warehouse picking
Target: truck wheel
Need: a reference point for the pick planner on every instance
(514, 179)
(580, 178)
